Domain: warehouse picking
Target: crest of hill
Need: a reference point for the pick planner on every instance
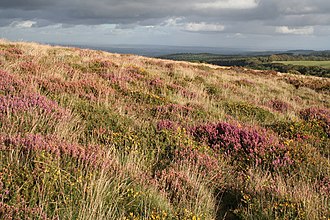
(99, 75)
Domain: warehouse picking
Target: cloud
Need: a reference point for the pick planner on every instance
(264, 17)
(86, 12)
(203, 27)
(228, 4)
(23, 24)
(296, 31)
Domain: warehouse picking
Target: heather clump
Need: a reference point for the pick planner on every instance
(136, 72)
(324, 185)
(116, 79)
(156, 83)
(178, 185)
(30, 67)
(21, 210)
(92, 155)
(182, 91)
(208, 165)
(57, 171)
(124, 76)
(321, 116)
(33, 113)
(31, 102)
(279, 105)
(190, 179)
(88, 88)
(98, 65)
(11, 53)
(172, 111)
(244, 144)
(10, 84)
(167, 125)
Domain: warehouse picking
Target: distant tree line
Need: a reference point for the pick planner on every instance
(263, 62)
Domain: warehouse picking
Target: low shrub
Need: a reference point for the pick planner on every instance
(10, 84)
(46, 176)
(244, 144)
(279, 105)
(33, 113)
(244, 111)
(320, 116)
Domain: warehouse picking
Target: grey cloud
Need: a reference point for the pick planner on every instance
(301, 20)
(235, 15)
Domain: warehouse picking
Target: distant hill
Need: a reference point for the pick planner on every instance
(266, 61)
(159, 50)
(87, 134)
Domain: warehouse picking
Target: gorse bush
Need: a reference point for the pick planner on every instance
(245, 111)
(319, 116)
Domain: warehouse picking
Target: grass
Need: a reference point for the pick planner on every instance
(92, 135)
(324, 64)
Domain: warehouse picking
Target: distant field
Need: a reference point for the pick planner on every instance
(324, 64)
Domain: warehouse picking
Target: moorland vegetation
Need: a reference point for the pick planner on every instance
(92, 135)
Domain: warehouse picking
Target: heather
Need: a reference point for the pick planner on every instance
(92, 135)
(244, 145)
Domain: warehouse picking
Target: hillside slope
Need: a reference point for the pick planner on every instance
(93, 135)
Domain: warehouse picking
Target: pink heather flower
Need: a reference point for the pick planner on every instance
(167, 125)
(10, 84)
(32, 103)
(324, 185)
(206, 164)
(157, 82)
(85, 88)
(251, 143)
(183, 91)
(93, 155)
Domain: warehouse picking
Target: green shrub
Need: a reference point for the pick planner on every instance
(246, 111)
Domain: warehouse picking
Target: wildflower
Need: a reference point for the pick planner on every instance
(242, 143)
(167, 125)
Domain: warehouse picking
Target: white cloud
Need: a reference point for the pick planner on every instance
(172, 21)
(229, 4)
(203, 27)
(23, 24)
(297, 31)
(300, 9)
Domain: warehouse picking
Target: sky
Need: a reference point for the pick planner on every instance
(248, 24)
